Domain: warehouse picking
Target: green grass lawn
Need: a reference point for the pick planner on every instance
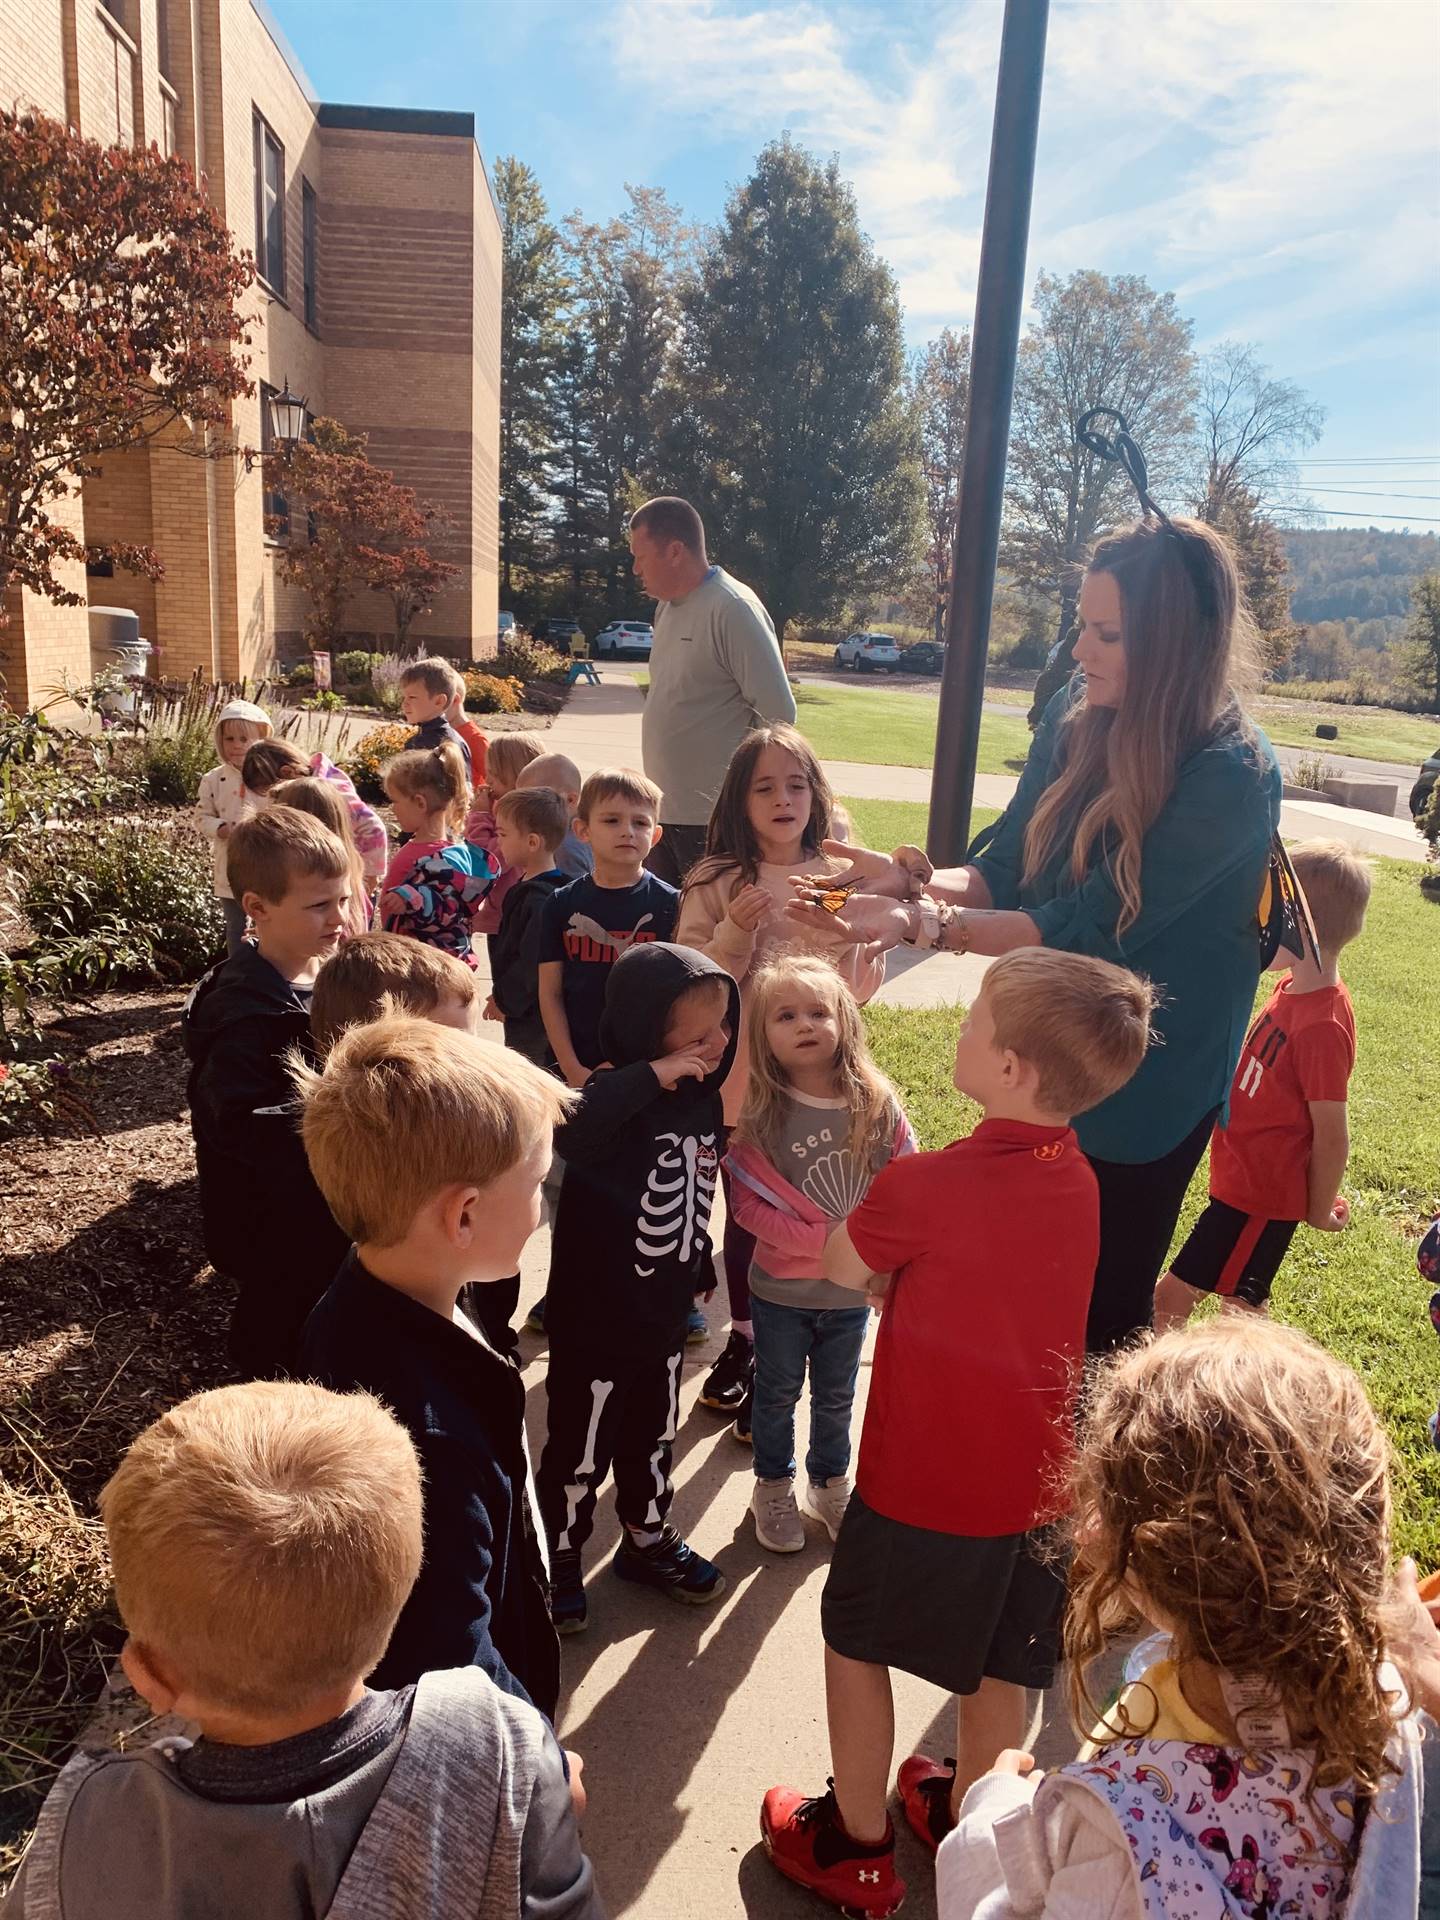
(1403, 738)
(1357, 1291)
(898, 729)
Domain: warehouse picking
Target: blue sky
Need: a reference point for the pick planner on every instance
(1274, 163)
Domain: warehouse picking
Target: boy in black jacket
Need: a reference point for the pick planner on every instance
(430, 1146)
(292, 877)
(530, 823)
(630, 1252)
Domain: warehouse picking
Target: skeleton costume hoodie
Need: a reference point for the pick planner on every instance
(631, 1247)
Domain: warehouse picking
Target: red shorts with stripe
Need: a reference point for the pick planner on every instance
(1233, 1253)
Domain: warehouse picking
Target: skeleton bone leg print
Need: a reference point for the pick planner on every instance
(675, 1206)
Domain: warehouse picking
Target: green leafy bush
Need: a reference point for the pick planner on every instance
(487, 693)
(302, 674)
(353, 669)
(54, 773)
(326, 701)
(127, 900)
(524, 659)
(373, 751)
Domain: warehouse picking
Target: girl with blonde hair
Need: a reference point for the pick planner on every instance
(1140, 833)
(1232, 1490)
(819, 1122)
(224, 801)
(324, 803)
(506, 758)
(435, 881)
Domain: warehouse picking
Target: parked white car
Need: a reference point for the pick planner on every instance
(867, 652)
(625, 636)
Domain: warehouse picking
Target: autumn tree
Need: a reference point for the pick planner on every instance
(787, 419)
(1096, 342)
(1249, 427)
(118, 319)
(365, 530)
(940, 392)
(533, 293)
(1264, 569)
(1420, 647)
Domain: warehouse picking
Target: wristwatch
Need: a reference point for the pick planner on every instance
(927, 930)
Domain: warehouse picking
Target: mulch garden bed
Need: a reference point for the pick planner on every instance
(109, 1313)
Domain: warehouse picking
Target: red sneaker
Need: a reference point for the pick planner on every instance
(924, 1789)
(808, 1844)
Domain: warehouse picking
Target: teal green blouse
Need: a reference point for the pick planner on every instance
(1196, 937)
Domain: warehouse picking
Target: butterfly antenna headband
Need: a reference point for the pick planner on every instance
(1120, 448)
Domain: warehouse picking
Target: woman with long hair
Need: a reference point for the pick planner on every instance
(1140, 833)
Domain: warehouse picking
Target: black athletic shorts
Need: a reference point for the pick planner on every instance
(1233, 1254)
(948, 1608)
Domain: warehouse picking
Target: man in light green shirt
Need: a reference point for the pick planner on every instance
(716, 671)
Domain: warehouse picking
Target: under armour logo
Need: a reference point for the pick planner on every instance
(873, 1877)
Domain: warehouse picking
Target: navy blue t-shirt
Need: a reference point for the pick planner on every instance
(587, 928)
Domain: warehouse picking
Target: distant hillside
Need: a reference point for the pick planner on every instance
(1355, 573)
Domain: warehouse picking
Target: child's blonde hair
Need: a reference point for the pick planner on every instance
(555, 770)
(509, 754)
(275, 849)
(356, 983)
(871, 1101)
(435, 775)
(320, 800)
(404, 1108)
(1083, 1024)
(1336, 882)
(1234, 1481)
(435, 674)
(264, 1538)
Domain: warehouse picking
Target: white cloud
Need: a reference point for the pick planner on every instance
(1285, 151)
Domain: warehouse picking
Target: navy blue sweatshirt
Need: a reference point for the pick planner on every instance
(482, 1596)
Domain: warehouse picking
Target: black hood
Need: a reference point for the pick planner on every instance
(245, 987)
(644, 985)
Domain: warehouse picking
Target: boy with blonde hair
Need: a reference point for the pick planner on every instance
(263, 1540)
(944, 1566)
(356, 982)
(291, 876)
(530, 823)
(586, 926)
(430, 1147)
(428, 688)
(1278, 1155)
(557, 771)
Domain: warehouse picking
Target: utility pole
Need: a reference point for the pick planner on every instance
(999, 297)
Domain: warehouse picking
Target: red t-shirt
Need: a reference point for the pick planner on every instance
(1302, 1048)
(993, 1244)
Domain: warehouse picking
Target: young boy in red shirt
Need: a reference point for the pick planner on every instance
(1279, 1155)
(944, 1566)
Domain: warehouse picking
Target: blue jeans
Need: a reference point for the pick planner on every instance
(786, 1338)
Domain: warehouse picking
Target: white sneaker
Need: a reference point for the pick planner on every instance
(828, 1503)
(778, 1525)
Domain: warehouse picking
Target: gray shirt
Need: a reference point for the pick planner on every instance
(715, 672)
(815, 1157)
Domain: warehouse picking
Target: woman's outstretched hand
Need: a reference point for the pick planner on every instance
(868, 920)
(884, 873)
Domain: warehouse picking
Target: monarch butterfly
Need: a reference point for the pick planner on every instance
(832, 899)
(1284, 915)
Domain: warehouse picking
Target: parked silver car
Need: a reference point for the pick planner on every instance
(867, 652)
(625, 636)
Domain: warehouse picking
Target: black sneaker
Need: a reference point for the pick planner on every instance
(567, 1592)
(741, 1429)
(672, 1565)
(728, 1381)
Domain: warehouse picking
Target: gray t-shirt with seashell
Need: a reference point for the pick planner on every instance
(815, 1157)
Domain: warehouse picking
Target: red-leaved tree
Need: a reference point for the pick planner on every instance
(366, 531)
(119, 285)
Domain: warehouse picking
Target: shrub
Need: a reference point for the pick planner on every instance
(326, 701)
(302, 674)
(1429, 821)
(353, 669)
(128, 900)
(175, 739)
(385, 675)
(373, 751)
(487, 693)
(1312, 770)
(524, 659)
(53, 773)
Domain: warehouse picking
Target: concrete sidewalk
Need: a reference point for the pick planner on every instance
(601, 725)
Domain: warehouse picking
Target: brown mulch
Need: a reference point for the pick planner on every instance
(108, 1314)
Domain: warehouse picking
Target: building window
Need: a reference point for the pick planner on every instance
(277, 507)
(309, 229)
(115, 8)
(269, 207)
(165, 56)
(169, 131)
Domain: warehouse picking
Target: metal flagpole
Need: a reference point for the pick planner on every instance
(999, 297)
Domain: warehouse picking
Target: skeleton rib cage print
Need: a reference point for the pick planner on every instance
(675, 1206)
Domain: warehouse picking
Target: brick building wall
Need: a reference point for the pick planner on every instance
(401, 343)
